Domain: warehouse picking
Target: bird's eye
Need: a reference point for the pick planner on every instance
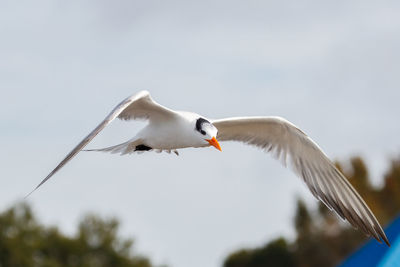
(199, 123)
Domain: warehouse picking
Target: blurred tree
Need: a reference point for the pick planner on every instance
(322, 238)
(24, 243)
(302, 220)
(276, 253)
(390, 197)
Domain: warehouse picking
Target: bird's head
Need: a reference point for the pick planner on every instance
(207, 132)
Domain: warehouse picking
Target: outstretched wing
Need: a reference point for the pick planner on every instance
(293, 146)
(137, 106)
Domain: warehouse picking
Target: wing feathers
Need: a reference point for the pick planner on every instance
(289, 144)
(146, 108)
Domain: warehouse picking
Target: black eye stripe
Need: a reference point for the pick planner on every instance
(199, 123)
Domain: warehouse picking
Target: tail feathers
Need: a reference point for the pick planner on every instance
(123, 149)
(130, 147)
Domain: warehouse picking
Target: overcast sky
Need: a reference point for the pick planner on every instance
(330, 67)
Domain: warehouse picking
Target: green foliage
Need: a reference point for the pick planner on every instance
(302, 220)
(322, 238)
(24, 243)
(276, 253)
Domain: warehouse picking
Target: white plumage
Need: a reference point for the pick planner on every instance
(170, 130)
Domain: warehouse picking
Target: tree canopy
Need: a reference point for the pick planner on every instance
(24, 242)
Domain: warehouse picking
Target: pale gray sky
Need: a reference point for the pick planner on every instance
(330, 67)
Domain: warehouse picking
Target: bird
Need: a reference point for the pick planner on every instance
(169, 130)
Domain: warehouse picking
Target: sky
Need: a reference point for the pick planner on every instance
(329, 67)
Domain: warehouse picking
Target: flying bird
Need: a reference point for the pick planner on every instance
(169, 130)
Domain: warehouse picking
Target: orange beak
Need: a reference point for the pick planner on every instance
(213, 141)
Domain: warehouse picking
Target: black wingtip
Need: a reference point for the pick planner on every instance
(42, 182)
(30, 193)
(384, 238)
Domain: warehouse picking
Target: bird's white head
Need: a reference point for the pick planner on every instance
(208, 132)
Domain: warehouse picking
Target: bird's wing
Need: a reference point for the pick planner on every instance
(293, 146)
(144, 107)
(137, 106)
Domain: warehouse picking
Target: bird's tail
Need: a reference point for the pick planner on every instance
(129, 147)
(123, 148)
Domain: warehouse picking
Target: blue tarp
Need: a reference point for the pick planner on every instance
(376, 254)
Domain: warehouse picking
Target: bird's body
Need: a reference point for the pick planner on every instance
(163, 135)
(169, 130)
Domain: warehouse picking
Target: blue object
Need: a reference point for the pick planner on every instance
(376, 254)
